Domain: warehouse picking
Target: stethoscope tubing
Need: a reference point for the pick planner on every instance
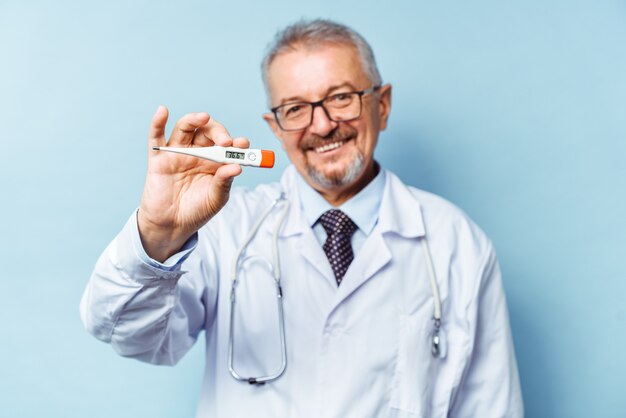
(275, 268)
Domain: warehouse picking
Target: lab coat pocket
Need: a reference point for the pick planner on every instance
(412, 381)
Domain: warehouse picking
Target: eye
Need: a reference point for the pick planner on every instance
(292, 111)
(341, 99)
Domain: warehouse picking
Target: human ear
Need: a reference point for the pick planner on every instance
(271, 121)
(384, 105)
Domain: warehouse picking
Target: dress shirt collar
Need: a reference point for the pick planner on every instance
(362, 208)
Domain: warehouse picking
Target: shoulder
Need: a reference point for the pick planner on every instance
(463, 255)
(442, 220)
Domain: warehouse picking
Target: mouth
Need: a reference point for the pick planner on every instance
(329, 147)
(336, 139)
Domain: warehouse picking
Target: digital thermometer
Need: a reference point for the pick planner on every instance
(227, 155)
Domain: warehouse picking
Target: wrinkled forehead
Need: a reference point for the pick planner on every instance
(309, 72)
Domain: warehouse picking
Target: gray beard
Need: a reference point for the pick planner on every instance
(340, 179)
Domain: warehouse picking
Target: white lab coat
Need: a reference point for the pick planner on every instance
(358, 350)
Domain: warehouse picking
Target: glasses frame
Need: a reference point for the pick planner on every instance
(320, 103)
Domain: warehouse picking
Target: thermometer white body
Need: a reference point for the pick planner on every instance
(227, 155)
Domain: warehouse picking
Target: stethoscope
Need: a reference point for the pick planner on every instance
(238, 262)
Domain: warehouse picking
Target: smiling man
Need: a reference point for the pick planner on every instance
(338, 292)
(331, 141)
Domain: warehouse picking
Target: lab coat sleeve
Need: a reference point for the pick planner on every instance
(145, 311)
(490, 386)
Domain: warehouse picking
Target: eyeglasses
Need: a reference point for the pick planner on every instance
(341, 107)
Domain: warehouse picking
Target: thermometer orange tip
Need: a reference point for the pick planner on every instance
(267, 159)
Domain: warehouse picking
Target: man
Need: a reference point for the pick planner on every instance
(360, 261)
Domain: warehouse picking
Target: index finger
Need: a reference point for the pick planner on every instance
(215, 133)
(186, 127)
(156, 134)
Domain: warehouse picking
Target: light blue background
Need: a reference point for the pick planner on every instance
(515, 111)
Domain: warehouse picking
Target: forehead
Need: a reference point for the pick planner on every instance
(311, 73)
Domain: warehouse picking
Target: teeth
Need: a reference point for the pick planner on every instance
(329, 147)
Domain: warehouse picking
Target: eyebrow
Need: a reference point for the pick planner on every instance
(329, 91)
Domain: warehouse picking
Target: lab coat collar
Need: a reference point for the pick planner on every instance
(400, 214)
(400, 211)
(295, 222)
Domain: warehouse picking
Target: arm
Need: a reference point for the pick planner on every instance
(490, 385)
(146, 309)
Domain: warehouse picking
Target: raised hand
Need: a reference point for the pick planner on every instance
(182, 193)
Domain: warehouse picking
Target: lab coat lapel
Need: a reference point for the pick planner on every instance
(296, 225)
(373, 256)
(311, 250)
(400, 214)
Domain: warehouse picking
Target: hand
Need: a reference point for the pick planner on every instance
(181, 192)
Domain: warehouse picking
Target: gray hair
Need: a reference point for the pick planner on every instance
(312, 33)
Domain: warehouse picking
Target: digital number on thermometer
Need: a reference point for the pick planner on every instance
(235, 155)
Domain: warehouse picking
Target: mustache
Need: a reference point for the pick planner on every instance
(339, 134)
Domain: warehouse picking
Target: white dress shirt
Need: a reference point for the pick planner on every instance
(362, 209)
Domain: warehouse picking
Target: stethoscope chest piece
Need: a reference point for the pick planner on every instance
(436, 343)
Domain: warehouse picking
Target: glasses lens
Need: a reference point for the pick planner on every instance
(294, 115)
(343, 106)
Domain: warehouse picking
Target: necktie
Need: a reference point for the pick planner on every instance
(339, 228)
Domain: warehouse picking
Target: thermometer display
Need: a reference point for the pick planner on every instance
(235, 155)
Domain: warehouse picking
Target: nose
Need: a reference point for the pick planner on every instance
(321, 124)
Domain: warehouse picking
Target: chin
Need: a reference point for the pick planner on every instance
(338, 178)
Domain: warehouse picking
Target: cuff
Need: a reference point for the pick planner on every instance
(171, 264)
